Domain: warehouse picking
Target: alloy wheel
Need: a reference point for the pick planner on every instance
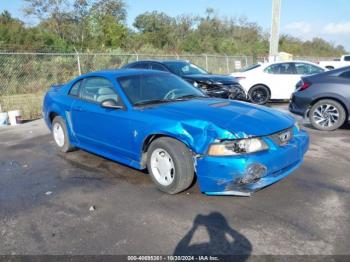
(259, 96)
(326, 115)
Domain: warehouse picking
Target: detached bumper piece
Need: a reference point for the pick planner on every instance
(242, 175)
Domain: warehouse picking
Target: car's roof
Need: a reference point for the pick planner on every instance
(292, 61)
(122, 72)
(159, 61)
(334, 72)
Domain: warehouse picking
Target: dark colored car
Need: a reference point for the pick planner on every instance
(324, 98)
(221, 86)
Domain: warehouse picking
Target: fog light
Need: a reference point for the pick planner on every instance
(253, 173)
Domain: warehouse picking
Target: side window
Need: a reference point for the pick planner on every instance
(74, 91)
(283, 69)
(345, 74)
(272, 69)
(347, 58)
(159, 67)
(140, 66)
(98, 89)
(307, 69)
(315, 69)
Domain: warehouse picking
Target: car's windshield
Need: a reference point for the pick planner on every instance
(248, 68)
(157, 88)
(184, 68)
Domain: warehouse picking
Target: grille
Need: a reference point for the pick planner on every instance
(283, 137)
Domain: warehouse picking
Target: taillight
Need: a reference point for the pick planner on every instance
(302, 85)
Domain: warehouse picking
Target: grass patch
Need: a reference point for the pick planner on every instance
(29, 104)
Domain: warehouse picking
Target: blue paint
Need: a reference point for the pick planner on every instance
(220, 174)
(120, 135)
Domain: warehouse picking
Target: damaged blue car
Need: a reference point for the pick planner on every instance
(156, 120)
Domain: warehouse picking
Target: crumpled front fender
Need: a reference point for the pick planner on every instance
(226, 175)
(196, 134)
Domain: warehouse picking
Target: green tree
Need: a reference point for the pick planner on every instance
(51, 10)
(107, 24)
(155, 28)
(99, 25)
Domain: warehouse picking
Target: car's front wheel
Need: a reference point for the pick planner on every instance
(170, 165)
(327, 115)
(259, 95)
(60, 135)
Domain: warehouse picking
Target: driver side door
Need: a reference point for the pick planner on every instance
(99, 129)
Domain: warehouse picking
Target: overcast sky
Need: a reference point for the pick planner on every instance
(305, 19)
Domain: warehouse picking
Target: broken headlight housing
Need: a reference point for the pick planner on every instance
(238, 147)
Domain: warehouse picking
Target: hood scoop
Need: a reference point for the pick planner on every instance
(220, 104)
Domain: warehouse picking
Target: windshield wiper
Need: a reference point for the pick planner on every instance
(189, 97)
(154, 101)
(159, 101)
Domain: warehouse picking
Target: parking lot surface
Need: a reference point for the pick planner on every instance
(80, 203)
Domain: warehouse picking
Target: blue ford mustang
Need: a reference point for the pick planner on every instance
(155, 120)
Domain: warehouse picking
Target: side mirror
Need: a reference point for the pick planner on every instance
(110, 103)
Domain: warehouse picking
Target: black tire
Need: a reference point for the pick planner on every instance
(66, 147)
(259, 95)
(181, 156)
(334, 107)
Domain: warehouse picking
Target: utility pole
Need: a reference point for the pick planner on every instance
(275, 28)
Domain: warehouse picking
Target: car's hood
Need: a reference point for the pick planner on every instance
(212, 78)
(233, 116)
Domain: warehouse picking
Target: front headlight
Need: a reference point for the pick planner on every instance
(237, 147)
(195, 84)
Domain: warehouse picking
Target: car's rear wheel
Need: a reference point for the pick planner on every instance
(259, 95)
(327, 115)
(170, 165)
(60, 135)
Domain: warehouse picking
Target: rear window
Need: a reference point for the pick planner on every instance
(248, 68)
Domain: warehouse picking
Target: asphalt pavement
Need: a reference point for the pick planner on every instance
(80, 203)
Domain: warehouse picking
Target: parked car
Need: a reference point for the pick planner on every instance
(153, 119)
(213, 85)
(263, 82)
(324, 98)
(341, 62)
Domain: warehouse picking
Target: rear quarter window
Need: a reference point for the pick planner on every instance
(74, 91)
(140, 66)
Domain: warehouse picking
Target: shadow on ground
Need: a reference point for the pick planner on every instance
(223, 240)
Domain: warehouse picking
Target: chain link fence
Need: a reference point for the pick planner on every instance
(24, 77)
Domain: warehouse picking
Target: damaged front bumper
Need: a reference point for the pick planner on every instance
(242, 175)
